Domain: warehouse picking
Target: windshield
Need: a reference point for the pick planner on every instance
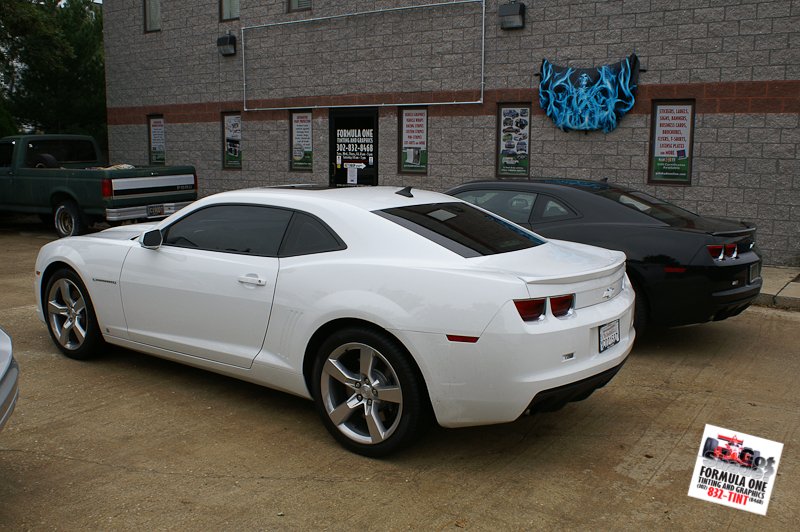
(462, 228)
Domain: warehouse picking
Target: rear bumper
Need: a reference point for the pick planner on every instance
(701, 294)
(142, 212)
(556, 398)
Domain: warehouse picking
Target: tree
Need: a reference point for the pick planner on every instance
(51, 69)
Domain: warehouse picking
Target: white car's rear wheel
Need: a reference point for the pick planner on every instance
(70, 316)
(367, 392)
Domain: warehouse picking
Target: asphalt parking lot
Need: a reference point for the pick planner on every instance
(129, 441)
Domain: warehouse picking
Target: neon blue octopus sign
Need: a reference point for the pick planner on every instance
(588, 99)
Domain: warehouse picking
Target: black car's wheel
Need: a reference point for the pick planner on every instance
(709, 447)
(640, 311)
(367, 392)
(68, 219)
(70, 316)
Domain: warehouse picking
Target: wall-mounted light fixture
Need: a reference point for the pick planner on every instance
(512, 15)
(227, 44)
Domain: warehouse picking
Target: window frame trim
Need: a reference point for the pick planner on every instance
(146, 18)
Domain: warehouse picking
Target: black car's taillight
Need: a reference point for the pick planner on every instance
(723, 251)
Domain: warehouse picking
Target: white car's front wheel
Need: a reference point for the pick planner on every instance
(368, 393)
(70, 315)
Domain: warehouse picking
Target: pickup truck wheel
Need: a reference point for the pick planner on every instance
(70, 316)
(68, 219)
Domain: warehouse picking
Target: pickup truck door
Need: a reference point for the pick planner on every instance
(207, 291)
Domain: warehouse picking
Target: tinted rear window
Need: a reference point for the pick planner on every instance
(656, 208)
(462, 228)
(65, 151)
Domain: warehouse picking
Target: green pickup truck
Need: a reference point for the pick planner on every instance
(64, 180)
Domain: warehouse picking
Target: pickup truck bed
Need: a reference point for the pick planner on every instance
(61, 178)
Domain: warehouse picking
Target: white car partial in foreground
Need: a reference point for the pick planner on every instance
(382, 305)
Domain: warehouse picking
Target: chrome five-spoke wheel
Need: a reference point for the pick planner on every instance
(361, 393)
(368, 392)
(70, 316)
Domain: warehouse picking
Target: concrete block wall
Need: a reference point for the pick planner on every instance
(739, 60)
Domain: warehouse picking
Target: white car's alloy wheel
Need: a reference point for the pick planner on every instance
(361, 393)
(368, 392)
(70, 315)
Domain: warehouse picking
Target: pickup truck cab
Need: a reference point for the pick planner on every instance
(64, 179)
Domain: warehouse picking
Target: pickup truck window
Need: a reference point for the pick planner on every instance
(64, 151)
(6, 151)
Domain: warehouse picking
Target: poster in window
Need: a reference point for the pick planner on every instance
(158, 145)
(232, 155)
(513, 156)
(671, 136)
(302, 152)
(414, 141)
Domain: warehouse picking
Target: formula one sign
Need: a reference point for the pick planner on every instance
(735, 469)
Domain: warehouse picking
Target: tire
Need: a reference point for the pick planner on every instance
(709, 447)
(753, 458)
(70, 316)
(68, 219)
(372, 416)
(640, 311)
(45, 160)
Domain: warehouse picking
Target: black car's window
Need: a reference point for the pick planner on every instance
(653, 207)
(510, 204)
(307, 235)
(245, 229)
(462, 228)
(553, 209)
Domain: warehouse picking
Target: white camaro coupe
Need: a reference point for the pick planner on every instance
(383, 305)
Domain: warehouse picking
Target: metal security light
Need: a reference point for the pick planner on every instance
(512, 16)
(227, 44)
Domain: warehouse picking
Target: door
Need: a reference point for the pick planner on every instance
(353, 146)
(207, 291)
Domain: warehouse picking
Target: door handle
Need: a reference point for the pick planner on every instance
(252, 278)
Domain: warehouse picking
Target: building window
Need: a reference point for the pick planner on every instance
(413, 152)
(301, 147)
(232, 141)
(228, 9)
(157, 139)
(513, 128)
(299, 5)
(152, 15)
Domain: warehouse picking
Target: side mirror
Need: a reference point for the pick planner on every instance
(151, 239)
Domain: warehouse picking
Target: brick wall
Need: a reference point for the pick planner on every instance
(739, 59)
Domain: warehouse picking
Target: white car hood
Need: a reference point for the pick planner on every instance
(124, 232)
(555, 261)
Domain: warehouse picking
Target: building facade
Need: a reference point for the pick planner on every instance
(436, 93)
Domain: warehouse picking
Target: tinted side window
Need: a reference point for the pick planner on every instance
(6, 151)
(307, 235)
(244, 229)
(549, 208)
(462, 228)
(511, 205)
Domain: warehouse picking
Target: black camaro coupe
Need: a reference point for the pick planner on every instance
(685, 268)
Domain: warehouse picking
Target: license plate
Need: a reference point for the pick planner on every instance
(155, 210)
(609, 335)
(754, 272)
